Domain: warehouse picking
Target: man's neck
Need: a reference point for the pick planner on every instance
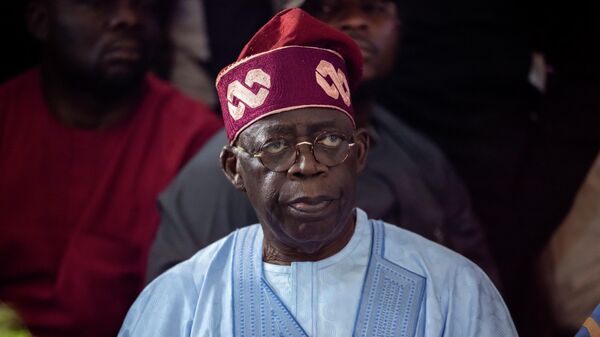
(83, 107)
(276, 253)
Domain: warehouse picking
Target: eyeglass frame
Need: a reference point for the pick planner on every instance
(260, 152)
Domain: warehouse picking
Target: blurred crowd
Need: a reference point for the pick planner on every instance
(484, 118)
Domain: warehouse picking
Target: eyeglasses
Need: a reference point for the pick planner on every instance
(279, 154)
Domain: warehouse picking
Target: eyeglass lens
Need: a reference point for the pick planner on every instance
(328, 149)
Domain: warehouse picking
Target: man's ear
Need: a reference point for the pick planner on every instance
(37, 18)
(361, 149)
(229, 166)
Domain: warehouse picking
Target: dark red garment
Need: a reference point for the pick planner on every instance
(78, 207)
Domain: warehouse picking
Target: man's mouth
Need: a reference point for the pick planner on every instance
(124, 51)
(310, 205)
(366, 47)
(123, 55)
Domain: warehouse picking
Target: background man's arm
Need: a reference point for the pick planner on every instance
(199, 207)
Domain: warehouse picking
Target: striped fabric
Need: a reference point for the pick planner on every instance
(591, 326)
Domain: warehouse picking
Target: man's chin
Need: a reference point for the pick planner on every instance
(116, 79)
(312, 242)
(309, 248)
(123, 72)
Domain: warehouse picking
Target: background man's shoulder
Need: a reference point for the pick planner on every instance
(178, 106)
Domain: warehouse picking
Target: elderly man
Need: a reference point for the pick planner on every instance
(87, 141)
(315, 265)
(406, 182)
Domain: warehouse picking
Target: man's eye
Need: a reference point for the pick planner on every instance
(147, 5)
(275, 147)
(94, 3)
(331, 140)
(325, 10)
(378, 7)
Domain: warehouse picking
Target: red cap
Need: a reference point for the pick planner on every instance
(294, 61)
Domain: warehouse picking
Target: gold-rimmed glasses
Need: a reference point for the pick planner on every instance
(279, 154)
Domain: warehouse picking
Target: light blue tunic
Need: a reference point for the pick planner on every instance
(316, 291)
(412, 287)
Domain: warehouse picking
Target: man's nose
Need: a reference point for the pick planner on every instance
(352, 17)
(306, 164)
(124, 15)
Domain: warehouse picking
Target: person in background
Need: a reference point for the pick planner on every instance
(461, 79)
(294, 149)
(87, 141)
(407, 180)
(569, 267)
(203, 40)
(190, 51)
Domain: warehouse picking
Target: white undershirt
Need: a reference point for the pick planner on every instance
(324, 296)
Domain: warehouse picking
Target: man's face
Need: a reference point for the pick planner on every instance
(372, 24)
(105, 41)
(309, 205)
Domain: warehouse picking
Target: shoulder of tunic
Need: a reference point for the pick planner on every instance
(169, 305)
(212, 259)
(460, 297)
(424, 257)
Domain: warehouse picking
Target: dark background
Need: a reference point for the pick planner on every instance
(461, 79)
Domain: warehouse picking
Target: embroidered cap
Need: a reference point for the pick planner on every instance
(294, 61)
